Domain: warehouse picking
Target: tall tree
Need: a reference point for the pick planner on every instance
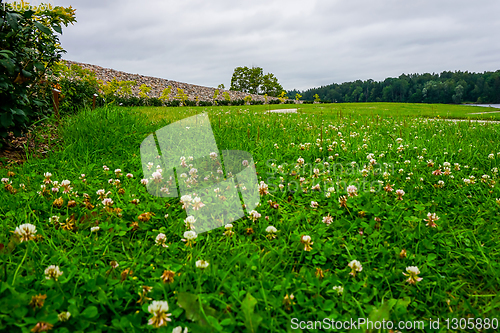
(253, 81)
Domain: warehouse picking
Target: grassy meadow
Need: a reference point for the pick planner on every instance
(381, 212)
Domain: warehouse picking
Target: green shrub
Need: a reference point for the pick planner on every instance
(24, 61)
(256, 102)
(204, 103)
(189, 103)
(238, 102)
(174, 102)
(154, 101)
(77, 86)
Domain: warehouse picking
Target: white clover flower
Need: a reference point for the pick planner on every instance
(314, 204)
(202, 264)
(25, 232)
(54, 219)
(190, 235)
(413, 271)
(306, 240)
(107, 202)
(105, 168)
(352, 190)
(5, 180)
(189, 221)
(254, 215)
(327, 219)
(228, 226)
(491, 156)
(355, 267)
(178, 329)
(94, 229)
(161, 239)
(431, 219)
(272, 230)
(159, 311)
(339, 289)
(63, 316)
(197, 204)
(129, 175)
(53, 272)
(213, 155)
(186, 198)
(156, 176)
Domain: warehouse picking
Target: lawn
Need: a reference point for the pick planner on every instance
(381, 212)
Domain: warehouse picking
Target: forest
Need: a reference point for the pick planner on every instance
(448, 87)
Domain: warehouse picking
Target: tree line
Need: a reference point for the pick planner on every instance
(447, 87)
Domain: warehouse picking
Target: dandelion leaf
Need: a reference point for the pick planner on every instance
(252, 320)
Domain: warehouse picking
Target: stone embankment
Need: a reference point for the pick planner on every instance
(157, 85)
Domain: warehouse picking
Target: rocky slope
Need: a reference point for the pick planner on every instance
(157, 84)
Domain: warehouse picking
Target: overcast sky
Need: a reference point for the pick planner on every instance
(304, 43)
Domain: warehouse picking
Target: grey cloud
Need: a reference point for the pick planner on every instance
(303, 44)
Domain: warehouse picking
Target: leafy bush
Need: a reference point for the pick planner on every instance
(223, 102)
(238, 102)
(274, 101)
(174, 102)
(24, 61)
(154, 101)
(204, 103)
(256, 102)
(189, 103)
(77, 86)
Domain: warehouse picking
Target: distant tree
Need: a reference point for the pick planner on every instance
(414, 88)
(457, 97)
(221, 86)
(270, 85)
(253, 81)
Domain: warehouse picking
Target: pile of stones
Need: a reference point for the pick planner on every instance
(158, 85)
